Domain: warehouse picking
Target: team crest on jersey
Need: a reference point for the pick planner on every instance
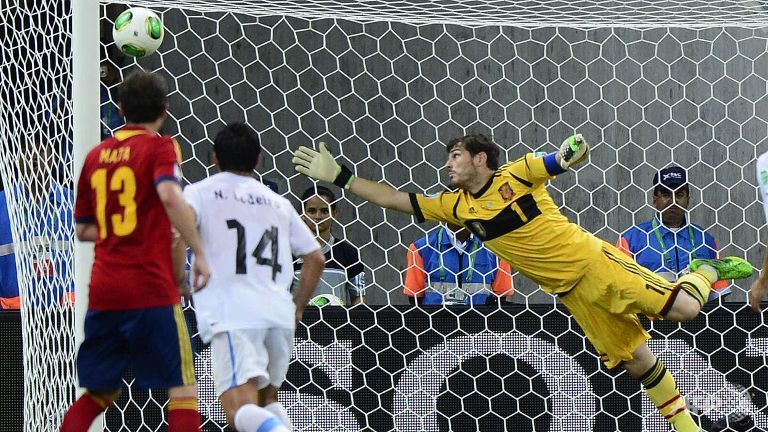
(506, 192)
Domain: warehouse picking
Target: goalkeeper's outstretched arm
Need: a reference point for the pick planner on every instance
(320, 165)
(382, 195)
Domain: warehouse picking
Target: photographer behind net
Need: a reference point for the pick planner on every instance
(451, 266)
(667, 243)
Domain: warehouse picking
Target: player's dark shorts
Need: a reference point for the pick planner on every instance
(153, 342)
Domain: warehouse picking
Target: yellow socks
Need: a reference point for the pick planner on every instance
(662, 390)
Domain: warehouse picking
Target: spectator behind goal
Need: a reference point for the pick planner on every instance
(451, 266)
(667, 243)
(344, 274)
(45, 207)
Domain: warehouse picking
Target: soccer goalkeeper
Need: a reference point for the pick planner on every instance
(601, 286)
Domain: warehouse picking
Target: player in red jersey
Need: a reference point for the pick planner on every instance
(128, 199)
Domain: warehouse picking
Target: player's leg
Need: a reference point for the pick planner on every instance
(101, 361)
(605, 303)
(279, 343)
(183, 411)
(697, 285)
(639, 290)
(239, 360)
(661, 388)
(270, 402)
(241, 404)
(86, 408)
(693, 292)
(161, 356)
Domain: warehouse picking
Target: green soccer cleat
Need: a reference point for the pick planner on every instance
(727, 268)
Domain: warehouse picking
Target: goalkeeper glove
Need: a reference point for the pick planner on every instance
(573, 150)
(320, 165)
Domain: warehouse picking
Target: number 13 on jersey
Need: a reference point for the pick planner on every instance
(123, 181)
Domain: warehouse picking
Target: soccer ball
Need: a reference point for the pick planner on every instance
(138, 32)
(325, 300)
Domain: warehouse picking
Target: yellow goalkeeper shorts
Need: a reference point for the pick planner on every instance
(606, 301)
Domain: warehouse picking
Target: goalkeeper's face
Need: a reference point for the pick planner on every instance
(462, 167)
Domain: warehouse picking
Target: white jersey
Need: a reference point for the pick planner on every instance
(250, 235)
(762, 180)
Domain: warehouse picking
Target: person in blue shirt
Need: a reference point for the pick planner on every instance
(451, 266)
(44, 210)
(666, 243)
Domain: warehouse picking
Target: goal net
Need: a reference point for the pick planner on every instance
(387, 83)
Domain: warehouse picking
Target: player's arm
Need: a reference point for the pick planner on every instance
(87, 232)
(320, 165)
(541, 167)
(86, 229)
(179, 257)
(311, 270)
(183, 219)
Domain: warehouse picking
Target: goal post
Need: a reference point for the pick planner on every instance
(85, 108)
(386, 84)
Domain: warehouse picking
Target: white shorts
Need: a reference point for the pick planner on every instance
(241, 355)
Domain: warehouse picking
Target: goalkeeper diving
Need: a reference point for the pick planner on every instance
(509, 208)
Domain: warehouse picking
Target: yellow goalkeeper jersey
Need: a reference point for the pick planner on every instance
(516, 218)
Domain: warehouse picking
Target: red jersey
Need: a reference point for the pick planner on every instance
(116, 191)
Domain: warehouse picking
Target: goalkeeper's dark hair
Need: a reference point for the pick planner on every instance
(237, 147)
(478, 143)
(319, 191)
(143, 97)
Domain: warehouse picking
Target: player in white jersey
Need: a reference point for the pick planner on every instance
(246, 312)
(760, 287)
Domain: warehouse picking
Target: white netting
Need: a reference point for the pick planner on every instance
(387, 84)
(519, 13)
(36, 149)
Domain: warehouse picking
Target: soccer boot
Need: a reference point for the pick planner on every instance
(727, 268)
